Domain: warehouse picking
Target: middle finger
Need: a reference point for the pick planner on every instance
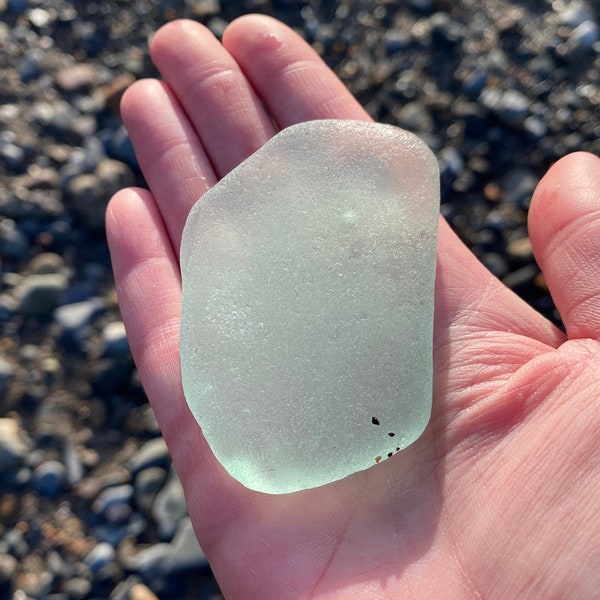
(218, 99)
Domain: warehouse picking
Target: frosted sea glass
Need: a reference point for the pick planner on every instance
(306, 329)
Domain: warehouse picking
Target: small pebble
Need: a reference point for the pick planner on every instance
(76, 77)
(40, 294)
(6, 373)
(140, 592)
(45, 263)
(147, 485)
(13, 242)
(75, 321)
(187, 554)
(153, 453)
(13, 157)
(520, 249)
(77, 588)
(8, 567)
(113, 340)
(14, 445)
(114, 503)
(99, 557)
(169, 507)
(48, 478)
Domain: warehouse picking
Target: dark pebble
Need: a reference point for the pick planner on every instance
(49, 477)
(40, 294)
(13, 242)
(12, 156)
(75, 322)
(147, 485)
(523, 277)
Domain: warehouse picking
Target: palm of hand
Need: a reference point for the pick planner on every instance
(496, 498)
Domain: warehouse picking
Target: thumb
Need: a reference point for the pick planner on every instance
(564, 228)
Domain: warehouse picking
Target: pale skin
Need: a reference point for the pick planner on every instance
(500, 497)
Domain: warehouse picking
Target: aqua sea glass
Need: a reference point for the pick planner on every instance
(306, 330)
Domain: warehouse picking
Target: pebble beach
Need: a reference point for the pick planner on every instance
(90, 506)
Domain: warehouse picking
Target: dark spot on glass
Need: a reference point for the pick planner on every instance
(397, 449)
(390, 454)
(391, 433)
(375, 421)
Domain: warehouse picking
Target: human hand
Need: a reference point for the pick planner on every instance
(498, 498)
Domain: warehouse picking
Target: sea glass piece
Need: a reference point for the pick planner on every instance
(307, 320)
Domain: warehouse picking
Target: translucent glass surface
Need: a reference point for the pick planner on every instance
(308, 277)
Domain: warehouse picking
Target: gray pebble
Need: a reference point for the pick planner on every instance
(396, 40)
(75, 321)
(119, 146)
(77, 588)
(29, 67)
(574, 14)
(100, 555)
(13, 542)
(204, 8)
(7, 370)
(510, 106)
(8, 568)
(76, 77)
(72, 317)
(182, 554)
(147, 485)
(153, 453)
(521, 277)
(415, 117)
(35, 582)
(45, 263)
(40, 294)
(187, 553)
(583, 38)
(13, 157)
(113, 340)
(535, 126)
(73, 466)
(150, 561)
(495, 263)
(169, 507)
(114, 503)
(122, 590)
(518, 186)
(60, 118)
(89, 193)
(446, 32)
(39, 17)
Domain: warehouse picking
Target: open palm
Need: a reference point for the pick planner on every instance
(500, 496)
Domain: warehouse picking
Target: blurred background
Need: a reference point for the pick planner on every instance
(89, 504)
